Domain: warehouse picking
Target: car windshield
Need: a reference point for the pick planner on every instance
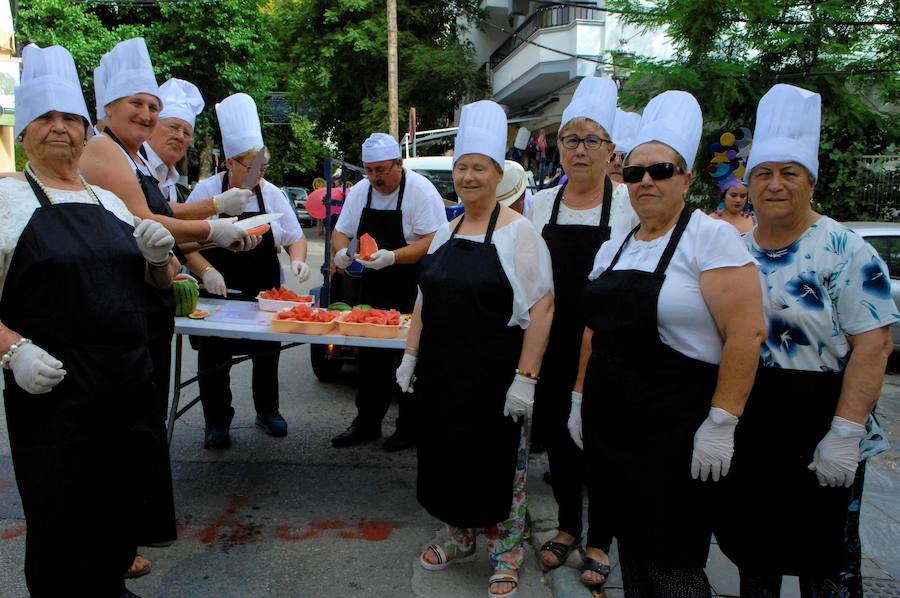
(442, 181)
(889, 250)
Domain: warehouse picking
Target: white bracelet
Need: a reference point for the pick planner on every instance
(7, 357)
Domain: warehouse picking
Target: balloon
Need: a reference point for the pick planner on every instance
(727, 138)
(315, 205)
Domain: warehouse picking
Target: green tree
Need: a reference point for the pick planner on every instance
(335, 59)
(728, 54)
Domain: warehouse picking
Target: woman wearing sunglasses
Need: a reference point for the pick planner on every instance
(801, 444)
(666, 306)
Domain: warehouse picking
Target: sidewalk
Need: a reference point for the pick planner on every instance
(879, 525)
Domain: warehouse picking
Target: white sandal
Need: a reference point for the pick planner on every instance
(510, 576)
(443, 562)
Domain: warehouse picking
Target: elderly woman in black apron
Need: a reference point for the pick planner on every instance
(673, 327)
(247, 272)
(486, 297)
(575, 219)
(73, 268)
(827, 298)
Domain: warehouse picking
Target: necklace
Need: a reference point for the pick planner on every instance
(600, 195)
(93, 196)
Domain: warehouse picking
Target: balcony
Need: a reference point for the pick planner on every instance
(522, 73)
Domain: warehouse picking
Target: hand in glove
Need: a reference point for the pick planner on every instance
(574, 423)
(300, 270)
(214, 282)
(154, 240)
(519, 398)
(35, 371)
(380, 259)
(406, 372)
(234, 201)
(342, 260)
(714, 445)
(225, 233)
(837, 454)
(247, 244)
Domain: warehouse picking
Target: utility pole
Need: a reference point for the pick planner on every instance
(393, 110)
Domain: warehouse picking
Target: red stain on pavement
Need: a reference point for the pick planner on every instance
(13, 532)
(371, 532)
(241, 533)
(286, 532)
(6, 485)
(328, 524)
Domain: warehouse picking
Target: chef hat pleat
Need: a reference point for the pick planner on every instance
(788, 123)
(128, 71)
(49, 83)
(675, 119)
(594, 98)
(181, 99)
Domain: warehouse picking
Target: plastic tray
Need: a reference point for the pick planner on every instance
(298, 327)
(368, 330)
(276, 305)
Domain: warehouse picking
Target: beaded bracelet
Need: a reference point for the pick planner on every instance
(7, 357)
(529, 375)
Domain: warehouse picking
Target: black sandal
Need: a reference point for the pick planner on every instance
(560, 550)
(597, 567)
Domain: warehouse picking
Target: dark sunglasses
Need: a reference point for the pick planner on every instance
(658, 172)
(617, 156)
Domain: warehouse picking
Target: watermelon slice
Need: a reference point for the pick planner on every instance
(259, 230)
(367, 246)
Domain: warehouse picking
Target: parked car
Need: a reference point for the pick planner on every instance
(885, 238)
(297, 197)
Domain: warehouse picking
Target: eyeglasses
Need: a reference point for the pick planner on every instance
(262, 167)
(378, 171)
(658, 172)
(591, 142)
(617, 156)
(179, 130)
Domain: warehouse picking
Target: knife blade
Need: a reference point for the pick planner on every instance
(353, 247)
(254, 170)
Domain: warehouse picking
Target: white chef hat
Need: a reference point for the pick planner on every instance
(128, 71)
(788, 121)
(595, 98)
(379, 147)
(624, 130)
(674, 118)
(99, 90)
(181, 99)
(512, 185)
(239, 123)
(49, 83)
(482, 130)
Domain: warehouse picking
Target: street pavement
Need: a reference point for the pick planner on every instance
(294, 517)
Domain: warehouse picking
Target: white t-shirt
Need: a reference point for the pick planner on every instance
(286, 229)
(423, 207)
(683, 319)
(621, 215)
(524, 258)
(166, 176)
(18, 203)
(826, 285)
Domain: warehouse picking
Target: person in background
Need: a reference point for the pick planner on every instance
(87, 451)
(674, 323)
(624, 130)
(246, 272)
(401, 209)
(731, 207)
(828, 305)
(491, 266)
(173, 135)
(513, 187)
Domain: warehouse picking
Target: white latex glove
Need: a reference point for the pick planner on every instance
(153, 239)
(300, 270)
(225, 233)
(837, 454)
(214, 282)
(342, 260)
(714, 445)
(234, 201)
(574, 423)
(380, 259)
(519, 398)
(36, 371)
(406, 372)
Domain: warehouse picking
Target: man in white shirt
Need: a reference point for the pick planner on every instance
(401, 210)
(173, 135)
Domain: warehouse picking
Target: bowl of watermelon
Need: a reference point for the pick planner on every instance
(303, 319)
(372, 323)
(282, 298)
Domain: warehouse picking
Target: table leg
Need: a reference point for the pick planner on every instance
(176, 390)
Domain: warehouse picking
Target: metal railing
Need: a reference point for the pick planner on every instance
(543, 18)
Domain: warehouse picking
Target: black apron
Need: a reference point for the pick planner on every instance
(248, 271)
(393, 287)
(643, 402)
(467, 359)
(773, 515)
(572, 250)
(84, 454)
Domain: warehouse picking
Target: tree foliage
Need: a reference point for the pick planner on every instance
(728, 54)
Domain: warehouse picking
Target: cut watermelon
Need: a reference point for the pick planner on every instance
(260, 230)
(367, 246)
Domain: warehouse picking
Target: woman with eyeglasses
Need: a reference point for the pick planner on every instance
(674, 323)
(575, 219)
(243, 275)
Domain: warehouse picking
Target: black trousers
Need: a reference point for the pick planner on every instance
(378, 387)
(646, 579)
(214, 376)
